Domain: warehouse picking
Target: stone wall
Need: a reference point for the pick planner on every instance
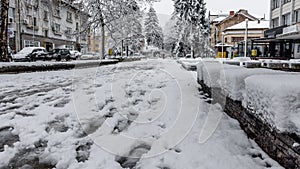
(279, 146)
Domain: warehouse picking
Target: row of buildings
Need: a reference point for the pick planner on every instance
(47, 23)
(274, 37)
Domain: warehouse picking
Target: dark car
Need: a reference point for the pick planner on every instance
(59, 54)
(31, 54)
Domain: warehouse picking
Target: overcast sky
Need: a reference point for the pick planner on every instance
(256, 7)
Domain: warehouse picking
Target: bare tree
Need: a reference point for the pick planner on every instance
(3, 31)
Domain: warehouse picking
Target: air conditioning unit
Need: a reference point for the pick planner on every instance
(25, 21)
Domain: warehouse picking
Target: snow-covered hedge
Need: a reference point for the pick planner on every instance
(272, 95)
(210, 73)
(276, 99)
(235, 80)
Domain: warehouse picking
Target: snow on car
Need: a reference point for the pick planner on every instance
(30, 54)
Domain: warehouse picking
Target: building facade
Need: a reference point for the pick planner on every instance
(219, 24)
(236, 33)
(47, 23)
(285, 22)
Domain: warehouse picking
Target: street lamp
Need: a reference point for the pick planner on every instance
(246, 38)
(223, 44)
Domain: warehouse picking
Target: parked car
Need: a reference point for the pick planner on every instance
(31, 54)
(59, 54)
(90, 56)
(75, 54)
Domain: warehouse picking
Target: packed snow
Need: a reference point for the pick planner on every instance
(275, 98)
(272, 95)
(145, 114)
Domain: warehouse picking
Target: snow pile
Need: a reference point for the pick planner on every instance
(189, 64)
(275, 98)
(210, 73)
(235, 80)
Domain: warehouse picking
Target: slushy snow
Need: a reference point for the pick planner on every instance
(145, 114)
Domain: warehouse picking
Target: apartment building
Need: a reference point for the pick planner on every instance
(48, 23)
(284, 35)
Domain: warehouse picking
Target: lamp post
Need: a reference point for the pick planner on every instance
(223, 44)
(246, 38)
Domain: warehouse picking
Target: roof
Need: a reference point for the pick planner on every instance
(251, 25)
(219, 19)
(240, 12)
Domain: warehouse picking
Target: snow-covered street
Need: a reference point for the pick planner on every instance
(147, 114)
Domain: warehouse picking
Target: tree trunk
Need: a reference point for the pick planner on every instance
(102, 41)
(3, 31)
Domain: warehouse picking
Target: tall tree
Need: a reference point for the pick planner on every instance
(153, 31)
(127, 29)
(191, 16)
(3, 30)
(103, 13)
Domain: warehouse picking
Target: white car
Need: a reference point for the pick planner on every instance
(75, 54)
(31, 54)
(90, 56)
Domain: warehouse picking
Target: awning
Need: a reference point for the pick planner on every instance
(223, 45)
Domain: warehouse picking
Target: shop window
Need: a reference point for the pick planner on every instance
(29, 43)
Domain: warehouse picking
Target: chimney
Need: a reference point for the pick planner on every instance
(231, 13)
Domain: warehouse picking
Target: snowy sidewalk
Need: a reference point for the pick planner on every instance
(146, 114)
(18, 67)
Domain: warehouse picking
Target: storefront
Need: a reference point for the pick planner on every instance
(279, 43)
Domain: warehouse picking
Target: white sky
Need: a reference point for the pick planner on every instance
(255, 7)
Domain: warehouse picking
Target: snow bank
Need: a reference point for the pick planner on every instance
(235, 80)
(276, 99)
(210, 73)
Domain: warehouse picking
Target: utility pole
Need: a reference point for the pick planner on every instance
(246, 38)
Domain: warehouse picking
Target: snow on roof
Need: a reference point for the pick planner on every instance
(219, 19)
(251, 25)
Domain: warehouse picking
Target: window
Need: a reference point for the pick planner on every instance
(46, 33)
(69, 31)
(296, 16)
(275, 4)
(237, 39)
(34, 21)
(56, 28)
(285, 1)
(69, 16)
(275, 22)
(57, 12)
(77, 26)
(30, 43)
(46, 15)
(29, 20)
(286, 19)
